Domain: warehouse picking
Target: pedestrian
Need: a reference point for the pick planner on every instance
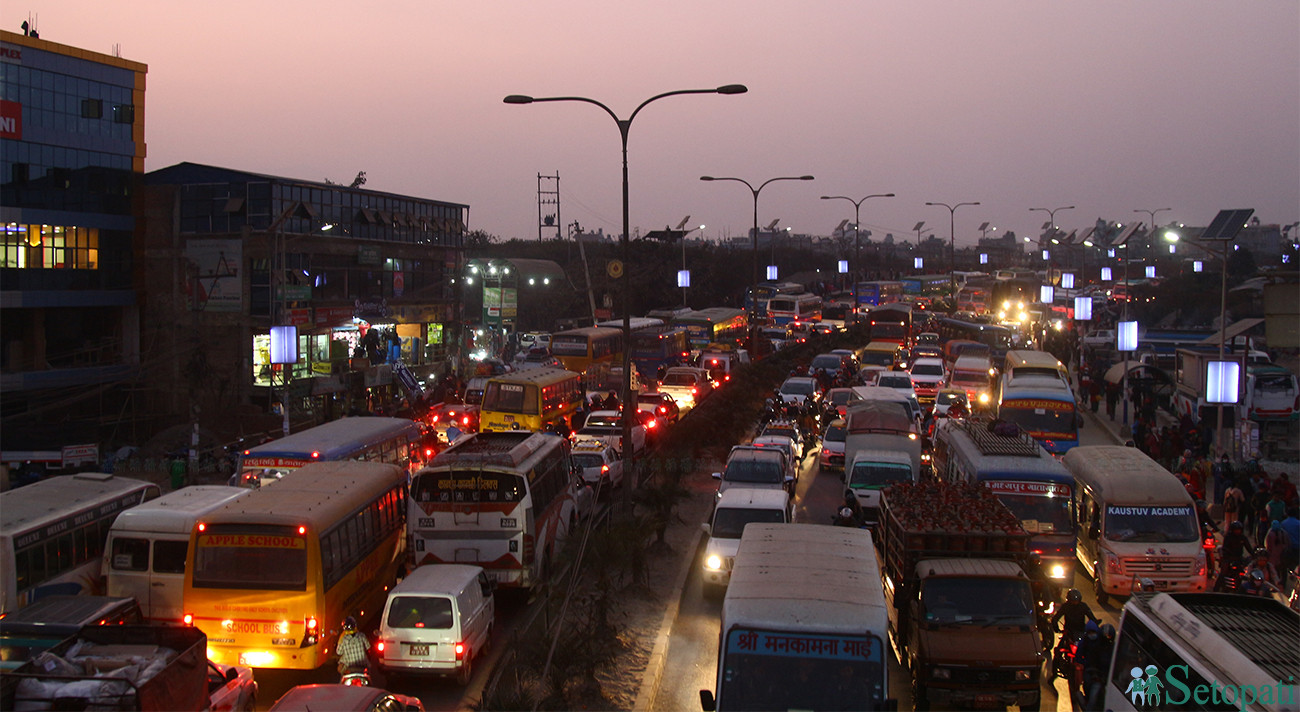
(1233, 498)
(1223, 474)
(1112, 399)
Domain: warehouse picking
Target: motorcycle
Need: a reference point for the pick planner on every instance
(355, 677)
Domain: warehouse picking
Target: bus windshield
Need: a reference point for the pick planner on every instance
(1041, 418)
(1039, 514)
(510, 398)
(467, 486)
(1151, 524)
(878, 358)
(258, 557)
(770, 671)
(875, 475)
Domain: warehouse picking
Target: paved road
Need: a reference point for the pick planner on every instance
(693, 651)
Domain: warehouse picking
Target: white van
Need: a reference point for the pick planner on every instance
(737, 507)
(437, 620)
(873, 470)
(144, 557)
(1136, 521)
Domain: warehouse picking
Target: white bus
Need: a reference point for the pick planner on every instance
(503, 501)
(1208, 651)
(52, 534)
(144, 557)
(794, 308)
(804, 624)
(395, 441)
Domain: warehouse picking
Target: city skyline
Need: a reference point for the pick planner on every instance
(1116, 108)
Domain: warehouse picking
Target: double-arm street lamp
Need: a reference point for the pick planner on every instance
(753, 294)
(1051, 225)
(952, 241)
(629, 406)
(857, 247)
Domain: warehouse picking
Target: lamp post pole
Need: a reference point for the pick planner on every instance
(952, 243)
(623, 126)
(753, 293)
(1223, 315)
(1051, 222)
(857, 246)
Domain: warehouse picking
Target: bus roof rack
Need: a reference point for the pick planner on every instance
(1260, 630)
(991, 443)
(491, 449)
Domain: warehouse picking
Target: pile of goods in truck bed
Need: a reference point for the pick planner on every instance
(953, 517)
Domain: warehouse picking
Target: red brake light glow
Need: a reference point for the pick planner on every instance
(302, 530)
(315, 456)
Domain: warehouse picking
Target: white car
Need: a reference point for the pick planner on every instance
(607, 426)
(786, 445)
(928, 375)
(687, 385)
(1100, 338)
(231, 687)
(737, 507)
(789, 430)
(536, 357)
(599, 463)
(831, 456)
(796, 388)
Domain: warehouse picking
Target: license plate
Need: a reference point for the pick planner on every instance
(986, 701)
(509, 522)
(420, 649)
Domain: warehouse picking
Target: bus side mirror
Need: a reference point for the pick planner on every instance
(708, 530)
(707, 703)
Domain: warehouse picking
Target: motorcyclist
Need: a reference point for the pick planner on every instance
(1235, 544)
(850, 512)
(1075, 613)
(352, 647)
(1255, 585)
(1094, 659)
(1265, 567)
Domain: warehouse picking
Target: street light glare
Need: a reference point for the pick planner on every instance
(733, 89)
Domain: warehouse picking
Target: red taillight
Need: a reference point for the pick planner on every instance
(465, 420)
(310, 631)
(202, 526)
(188, 619)
(434, 419)
(651, 424)
(379, 648)
(604, 469)
(315, 456)
(663, 409)
(302, 530)
(460, 651)
(727, 377)
(694, 391)
(428, 453)
(246, 452)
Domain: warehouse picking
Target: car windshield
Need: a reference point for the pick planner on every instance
(798, 388)
(604, 421)
(765, 471)
(777, 430)
(729, 522)
(927, 369)
(1275, 382)
(842, 397)
(679, 379)
(1151, 524)
(980, 378)
(977, 601)
(874, 475)
(834, 434)
(587, 459)
(894, 382)
(826, 361)
(950, 398)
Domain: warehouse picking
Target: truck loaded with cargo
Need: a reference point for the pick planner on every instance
(124, 667)
(962, 611)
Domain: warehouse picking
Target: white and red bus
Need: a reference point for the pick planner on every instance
(503, 501)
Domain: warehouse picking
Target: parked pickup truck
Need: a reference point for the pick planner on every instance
(962, 613)
(100, 668)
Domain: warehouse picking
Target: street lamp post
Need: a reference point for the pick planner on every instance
(857, 247)
(623, 126)
(753, 294)
(1051, 224)
(952, 242)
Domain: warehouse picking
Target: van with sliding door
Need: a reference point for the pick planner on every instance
(1136, 521)
(438, 620)
(144, 557)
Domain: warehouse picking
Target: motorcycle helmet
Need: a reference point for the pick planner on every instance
(1257, 575)
(1073, 595)
(349, 624)
(1236, 527)
(846, 513)
(1034, 560)
(1261, 553)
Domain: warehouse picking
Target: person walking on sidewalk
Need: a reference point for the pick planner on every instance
(1112, 399)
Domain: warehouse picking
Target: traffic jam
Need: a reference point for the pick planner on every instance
(927, 512)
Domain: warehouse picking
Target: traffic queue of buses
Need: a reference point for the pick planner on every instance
(329, 518)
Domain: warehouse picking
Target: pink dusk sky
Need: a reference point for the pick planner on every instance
(1109, 106)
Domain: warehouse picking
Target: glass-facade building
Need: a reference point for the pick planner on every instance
(71, 152)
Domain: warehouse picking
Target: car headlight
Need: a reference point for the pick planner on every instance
(713, 562)
(1057, 571)
(1024, 675)
(984, 398)
(941, 674)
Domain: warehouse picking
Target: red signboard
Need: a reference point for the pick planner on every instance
(1042, 489)
(11, 120)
